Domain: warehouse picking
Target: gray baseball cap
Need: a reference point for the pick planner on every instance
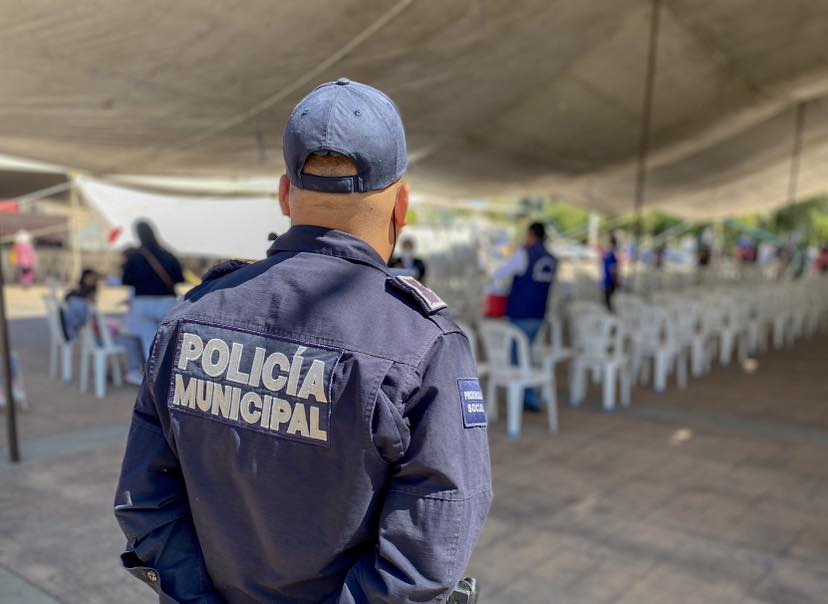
(351, 119)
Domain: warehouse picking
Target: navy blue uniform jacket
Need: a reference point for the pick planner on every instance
(310, 429)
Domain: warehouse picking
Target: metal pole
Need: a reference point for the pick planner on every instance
(74, 205)
(646, 124)
(42, 193)
(5, 351)
(796, 153)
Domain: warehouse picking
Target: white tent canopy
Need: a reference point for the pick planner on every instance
(540, 96)
(216, 227)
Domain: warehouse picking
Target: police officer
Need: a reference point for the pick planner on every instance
(311, 427)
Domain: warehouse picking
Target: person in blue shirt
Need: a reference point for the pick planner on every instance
(612, 273)
(311, 427)
(533, 270)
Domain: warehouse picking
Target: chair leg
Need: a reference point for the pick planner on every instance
(84, 370)
(626, 385)
(514, 410)
(66, 362)
(551, 396)
(726, 350)
(491, 400)
(117, 372)
(661, 365)
(100, 375)
(54, 352)
(697, 356)
(681, 369)
(609, 387)
(576, 385)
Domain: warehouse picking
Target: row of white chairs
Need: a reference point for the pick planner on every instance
(644, 340)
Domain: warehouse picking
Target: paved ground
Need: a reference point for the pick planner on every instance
(711, 495)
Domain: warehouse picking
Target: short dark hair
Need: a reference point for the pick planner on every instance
(538, 230)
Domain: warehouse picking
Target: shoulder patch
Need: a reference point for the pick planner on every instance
(427, 299)
(472, 403)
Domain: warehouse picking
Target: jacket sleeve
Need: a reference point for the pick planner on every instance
(439, 492)
(151, 502)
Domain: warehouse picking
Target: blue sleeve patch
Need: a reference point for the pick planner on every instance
(472, 403)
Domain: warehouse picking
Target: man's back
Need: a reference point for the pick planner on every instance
(530, 289)
(314, 407)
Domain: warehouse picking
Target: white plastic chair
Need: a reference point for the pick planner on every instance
(659, 343)
(599, 346)
(691, 331)
(629, 309)
(498, 339)
(548, 351)
(730, 328)
(99, 354)
(755, 337)
(60, 349)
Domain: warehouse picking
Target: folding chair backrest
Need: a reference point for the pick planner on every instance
(582, 307)
(656, 326)
(53, 317)
(551, 333)
(498, 339)
(623, 300)
(596, 334)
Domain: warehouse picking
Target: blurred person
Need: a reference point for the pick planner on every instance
(799, 261)
(77, 311)
(612, 272)
(660, 255)
(77, 302)
(152, 272)
(822, 260)
(311, 428)
(532, 270)
(25, 257)
(408, 262)
(704, 256)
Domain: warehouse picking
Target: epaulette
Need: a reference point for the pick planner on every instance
(428, 301)
(224, 268)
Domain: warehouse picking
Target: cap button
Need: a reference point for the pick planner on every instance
(343, 82)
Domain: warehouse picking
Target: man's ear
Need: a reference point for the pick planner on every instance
(401, 205)
(284, 195)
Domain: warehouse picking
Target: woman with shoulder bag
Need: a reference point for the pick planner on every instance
(152, 272)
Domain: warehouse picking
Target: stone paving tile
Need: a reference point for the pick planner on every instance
(791, 583)
(15, 590)
(667, 583)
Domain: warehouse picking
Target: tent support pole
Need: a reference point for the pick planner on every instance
(646, 127)
(74, 205)
(5, 362)
(796, 153)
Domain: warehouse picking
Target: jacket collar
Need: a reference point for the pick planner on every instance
(322, 240)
